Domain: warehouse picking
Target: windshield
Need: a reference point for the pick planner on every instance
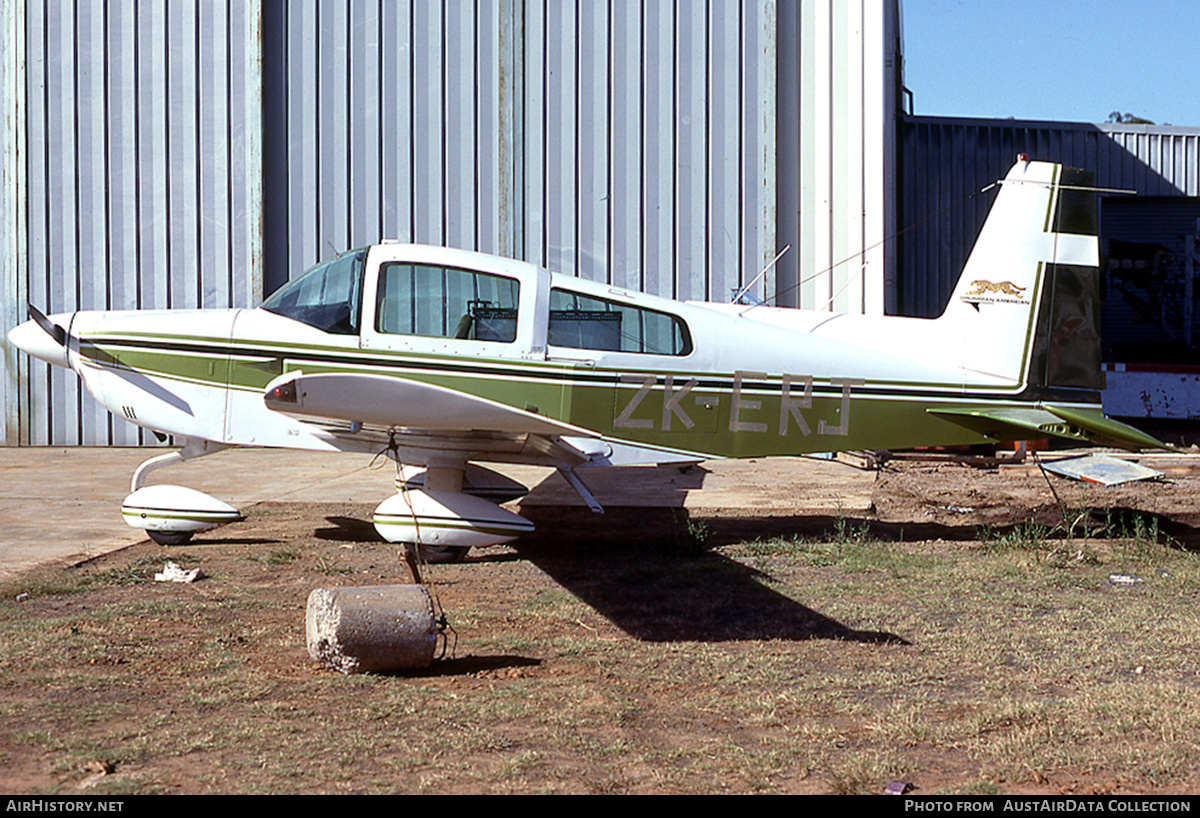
(327, 297)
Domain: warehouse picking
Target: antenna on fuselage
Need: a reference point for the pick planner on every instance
(737, 297)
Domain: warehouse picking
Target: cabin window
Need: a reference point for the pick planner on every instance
(585, 322)
(444, 302)
(327, 297)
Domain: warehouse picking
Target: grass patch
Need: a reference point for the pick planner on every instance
(828, 663)
(274, 558)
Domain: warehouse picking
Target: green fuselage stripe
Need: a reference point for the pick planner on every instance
(882, 414)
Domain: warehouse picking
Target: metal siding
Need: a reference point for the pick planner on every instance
(601, 139)
(948, 162)
(492, 231)
(658, 150)
(183, 156)
(364, 124)
(532, 185)
(461, 134)
(625, 139)
(591, 229)
(837, 68)
(787, 155)
(756, 145)
(90, 199)
(61, 228)
(213, 170)
(396, 121)
(245, 154)
(151, 152)
(561, 137)
(691, 105)
(724, 234)
(637, 143)
(14, 369)
(334, 159)
(301, 136)
(428, 125)
(132, 200)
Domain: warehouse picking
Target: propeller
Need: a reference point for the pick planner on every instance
(42, 338)
(54, 330)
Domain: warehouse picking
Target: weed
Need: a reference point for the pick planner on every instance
(277, 558)
(42, 583)
(329, 568)
(860, 774)
(521, 763)
(848, 532)
(1027, 536)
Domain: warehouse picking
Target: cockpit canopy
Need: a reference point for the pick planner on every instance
(328, 297)
(433, 299)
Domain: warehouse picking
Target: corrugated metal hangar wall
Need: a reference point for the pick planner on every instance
(131, 152)
(646, 144)
(200, 152)
(946, 164)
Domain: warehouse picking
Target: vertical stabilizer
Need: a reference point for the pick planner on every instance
(1024, 305)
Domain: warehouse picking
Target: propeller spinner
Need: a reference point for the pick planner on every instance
(42, 338)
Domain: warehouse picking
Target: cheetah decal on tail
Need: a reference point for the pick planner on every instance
(992, 292)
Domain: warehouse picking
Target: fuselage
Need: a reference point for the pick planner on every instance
(714, 380)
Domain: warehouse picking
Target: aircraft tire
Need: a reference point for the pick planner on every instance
(443, 554)
(169, 537)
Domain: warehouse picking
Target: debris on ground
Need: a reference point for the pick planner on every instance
(173, 573)
(1102, 469)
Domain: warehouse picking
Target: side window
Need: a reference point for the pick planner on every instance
(444, 302)
(584, 322)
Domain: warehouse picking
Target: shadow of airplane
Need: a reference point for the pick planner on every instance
(645, 572)
(648, 572)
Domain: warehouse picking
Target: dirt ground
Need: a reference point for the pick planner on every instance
(597, 655)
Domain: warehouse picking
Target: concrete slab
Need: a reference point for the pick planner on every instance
(64, 504)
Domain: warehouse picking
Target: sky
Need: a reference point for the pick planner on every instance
(1064, 60)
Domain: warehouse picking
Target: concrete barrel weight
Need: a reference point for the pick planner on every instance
(371, 628)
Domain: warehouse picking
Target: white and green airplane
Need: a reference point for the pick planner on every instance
(447, 359)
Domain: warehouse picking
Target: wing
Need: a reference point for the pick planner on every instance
(399, 403)
(428, 417)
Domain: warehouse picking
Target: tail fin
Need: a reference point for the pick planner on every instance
(1027, 309)
(1026, 302)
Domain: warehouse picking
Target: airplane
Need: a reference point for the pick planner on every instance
(448, 359)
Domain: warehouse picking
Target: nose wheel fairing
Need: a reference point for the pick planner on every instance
(176, 510)
(169, 514)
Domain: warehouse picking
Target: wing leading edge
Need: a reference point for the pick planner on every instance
(427, 416)
(391, 402)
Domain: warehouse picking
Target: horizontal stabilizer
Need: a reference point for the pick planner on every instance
(1047, 420)
(389, 402)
